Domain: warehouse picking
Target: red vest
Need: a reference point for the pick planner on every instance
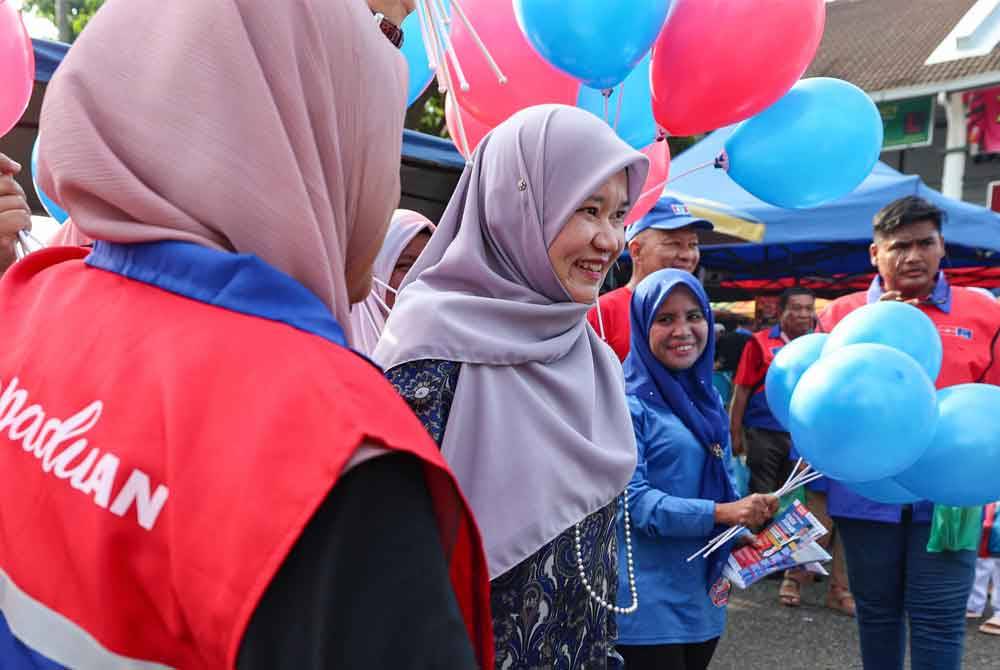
(968, 334)
(160, 456)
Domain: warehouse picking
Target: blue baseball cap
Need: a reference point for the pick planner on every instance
(667, 214)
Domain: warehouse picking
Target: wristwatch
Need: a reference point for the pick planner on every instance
(392, 32)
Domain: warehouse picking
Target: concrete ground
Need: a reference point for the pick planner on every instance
(763, 635)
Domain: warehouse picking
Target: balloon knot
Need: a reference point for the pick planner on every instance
(722, 161)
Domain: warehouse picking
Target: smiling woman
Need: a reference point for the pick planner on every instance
(679, 332)
(592, 240)
(681, 493)
(490, 325)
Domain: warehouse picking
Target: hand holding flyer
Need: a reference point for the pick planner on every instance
(789, 541)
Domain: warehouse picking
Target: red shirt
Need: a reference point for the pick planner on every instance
(756, 359)
(969, 332)
(614, 307)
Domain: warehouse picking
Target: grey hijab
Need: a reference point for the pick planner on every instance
(539, 434)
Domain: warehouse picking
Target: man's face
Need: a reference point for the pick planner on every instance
(908, 258)
(798, 315)
(665, 249)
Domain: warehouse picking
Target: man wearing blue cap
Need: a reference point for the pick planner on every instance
(667, 237)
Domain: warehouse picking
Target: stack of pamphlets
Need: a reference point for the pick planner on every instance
(788, 542)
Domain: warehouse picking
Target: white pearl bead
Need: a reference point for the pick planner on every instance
(631, 567)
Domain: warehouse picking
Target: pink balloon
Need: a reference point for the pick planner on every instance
(531, 80)
(718, 62)
(17, 67)
(475, 130)
(659, 169)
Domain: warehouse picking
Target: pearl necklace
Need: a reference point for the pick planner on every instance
(631, 566)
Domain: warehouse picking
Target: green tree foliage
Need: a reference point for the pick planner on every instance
(80, 11)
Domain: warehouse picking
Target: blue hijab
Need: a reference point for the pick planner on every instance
(687, 394)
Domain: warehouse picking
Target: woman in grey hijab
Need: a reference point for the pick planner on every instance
(489, 344)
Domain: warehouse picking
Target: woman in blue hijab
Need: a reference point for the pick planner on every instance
(681, 494)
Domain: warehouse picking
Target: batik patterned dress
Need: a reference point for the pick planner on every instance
(543, 617)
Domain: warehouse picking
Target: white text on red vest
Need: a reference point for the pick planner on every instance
(50, 442)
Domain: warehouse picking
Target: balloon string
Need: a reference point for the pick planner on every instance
(600, 317)
(445, 83)
(457, 6)
(618, 114)
(426, 34)
(607, 95)
(440, 27)
(653, 190)
(24, 243)
(435, 46)
(443, 12)
(692, 171)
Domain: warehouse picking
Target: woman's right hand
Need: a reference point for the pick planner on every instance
(752, 511)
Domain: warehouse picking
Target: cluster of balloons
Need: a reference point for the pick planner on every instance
(17, 66)
(861, 406)
(681, 67)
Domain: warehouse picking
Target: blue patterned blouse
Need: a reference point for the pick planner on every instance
(542, 615)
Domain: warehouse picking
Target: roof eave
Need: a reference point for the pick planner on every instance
(980, 80)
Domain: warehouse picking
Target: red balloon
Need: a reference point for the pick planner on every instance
(475, 130)
(530, 79)
(659, 169)
(718, 62)
(17, 67)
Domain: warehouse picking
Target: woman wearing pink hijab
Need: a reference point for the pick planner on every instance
(490, 345)
(196, 472)
(408, 235)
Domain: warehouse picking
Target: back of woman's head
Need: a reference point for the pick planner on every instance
(271, 128)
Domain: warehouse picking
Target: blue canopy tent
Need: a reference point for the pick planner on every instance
(430, 166)
(829, 242)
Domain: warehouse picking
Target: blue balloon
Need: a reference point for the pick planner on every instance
(787, 368)
(962, 465)
(597, 41)
(886, 491)
(415, 52)
(54, 210)
(636, 124)
(816, 144)
(896, 325)
(863, 413)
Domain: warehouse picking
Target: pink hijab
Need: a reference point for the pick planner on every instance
(69, 235)
(368, 317)
(269, 128)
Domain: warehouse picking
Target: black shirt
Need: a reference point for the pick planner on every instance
(366, 585)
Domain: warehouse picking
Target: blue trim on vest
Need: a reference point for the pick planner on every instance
(238, 282)
(15, 655)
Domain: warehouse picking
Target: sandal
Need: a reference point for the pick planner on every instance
(839, 599)
(992, 626)
(790, 593)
